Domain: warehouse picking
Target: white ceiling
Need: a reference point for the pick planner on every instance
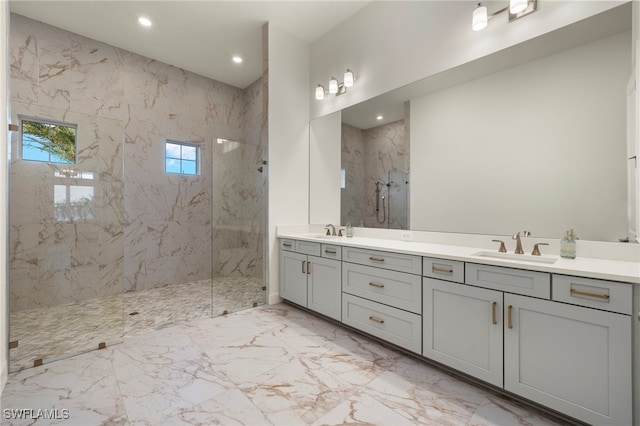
(198, 36)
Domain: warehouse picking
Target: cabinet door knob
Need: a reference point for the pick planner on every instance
(303, 270)
(509, 313)
(494, 318)
(308, 268)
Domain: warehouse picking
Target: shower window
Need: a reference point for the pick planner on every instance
(182, 158)
(48, 141)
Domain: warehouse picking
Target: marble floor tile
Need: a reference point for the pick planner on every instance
(57, 332)
(261, 366)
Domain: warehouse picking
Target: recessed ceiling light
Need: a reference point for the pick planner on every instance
(237, 59)
(145, 22)
(379, 117)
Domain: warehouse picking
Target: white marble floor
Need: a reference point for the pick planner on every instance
(53, 333)
(271, 365)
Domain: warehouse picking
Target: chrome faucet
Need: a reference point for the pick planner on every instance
(333, 229)
(518, 243)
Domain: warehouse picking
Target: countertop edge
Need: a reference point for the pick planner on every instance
(613, 270)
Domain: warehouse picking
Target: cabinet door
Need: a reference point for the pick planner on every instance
(462, 328)
(293, 277)
(325, 286)
(572, 359)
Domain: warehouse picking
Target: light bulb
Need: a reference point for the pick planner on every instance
(517, 6)
(348, 78)
(333, 86)
(146, 22)
(480, 18)
(320, 92)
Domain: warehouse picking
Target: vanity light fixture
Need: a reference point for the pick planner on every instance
(480, 18)
(517, 9)
(335, 87)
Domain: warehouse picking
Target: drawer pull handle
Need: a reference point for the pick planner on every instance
(376, 285)
(509, 312)
(308, 268)
(330, 251)
(376, 259)
(441, 270)
(286, 244)
(303, 270)
(586, 293)
(374, 319)
(494, 318)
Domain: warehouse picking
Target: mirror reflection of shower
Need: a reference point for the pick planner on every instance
(378, 199)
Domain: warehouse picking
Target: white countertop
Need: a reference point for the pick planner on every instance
(606, 269)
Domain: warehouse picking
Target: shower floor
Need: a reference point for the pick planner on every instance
(48, 334)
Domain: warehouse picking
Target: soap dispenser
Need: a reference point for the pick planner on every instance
(568, 245)
(349, 230)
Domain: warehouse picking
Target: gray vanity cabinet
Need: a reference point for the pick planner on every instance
(573, 359)
(462, 328)
(311, 276)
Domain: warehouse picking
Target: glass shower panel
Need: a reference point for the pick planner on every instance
(66, 244)
(398, 200)
(239, 200)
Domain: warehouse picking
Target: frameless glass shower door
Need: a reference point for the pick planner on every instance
(66, 235)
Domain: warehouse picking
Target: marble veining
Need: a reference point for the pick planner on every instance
(86, 324)
(270, 365)
(379, 154)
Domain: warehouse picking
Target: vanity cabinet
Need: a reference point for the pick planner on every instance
(561, 341)
(462, 328)
(538, 336)
(572, 359)
(310, 276)
(382, 295)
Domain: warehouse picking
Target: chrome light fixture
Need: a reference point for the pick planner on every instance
(348, 78)
(517, 9)
(335, 87)
(480, 18)
(517, 6)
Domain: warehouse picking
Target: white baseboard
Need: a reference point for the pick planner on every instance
(3, 377)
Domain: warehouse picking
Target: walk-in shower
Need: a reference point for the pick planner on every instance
(134, 213)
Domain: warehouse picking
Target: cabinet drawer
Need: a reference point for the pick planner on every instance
(383, 259)
(289, 245)
(307, 247)
(393, 325)
(331, 251)
(449, 270)
(397, 289)
(528, 283)
(592, 293)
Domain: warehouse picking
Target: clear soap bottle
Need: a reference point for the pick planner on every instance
(568, 246)
(349, 230)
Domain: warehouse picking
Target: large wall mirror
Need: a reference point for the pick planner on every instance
(532, 137)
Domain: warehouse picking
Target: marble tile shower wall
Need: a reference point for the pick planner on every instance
(168, 218)
(368, 157)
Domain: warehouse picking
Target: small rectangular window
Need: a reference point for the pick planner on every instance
(182, 158)
(48, 141)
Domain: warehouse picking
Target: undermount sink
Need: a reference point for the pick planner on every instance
(321, 236)
(519, 257)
